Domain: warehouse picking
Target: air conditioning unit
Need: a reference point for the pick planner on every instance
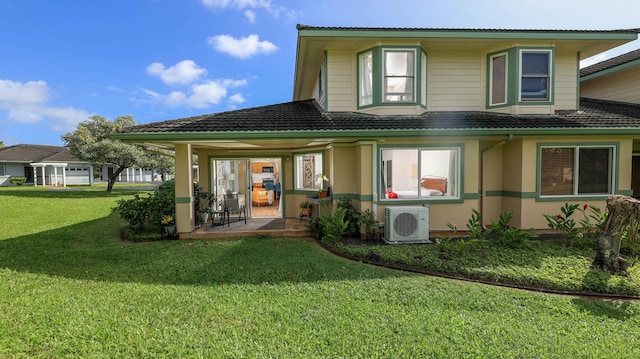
(406, 225)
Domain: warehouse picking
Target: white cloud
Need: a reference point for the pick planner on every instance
(250, 15)
(242, 48)
(24, 116)
(28, 103)
(236, 99)
(267, 5)
(12, 92)
(182, 73)
(200, 95)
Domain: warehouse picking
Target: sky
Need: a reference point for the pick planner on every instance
(63, 61)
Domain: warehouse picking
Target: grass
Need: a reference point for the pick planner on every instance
(70, 288)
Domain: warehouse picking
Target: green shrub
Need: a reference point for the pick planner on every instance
(18, 181)
(566, 225)
(351, 217)
(333, 225)
(505, 235)
(150, 210)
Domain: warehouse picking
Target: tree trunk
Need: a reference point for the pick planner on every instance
(624, 214)
(113, 177)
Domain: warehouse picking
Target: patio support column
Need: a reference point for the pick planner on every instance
(185, 216)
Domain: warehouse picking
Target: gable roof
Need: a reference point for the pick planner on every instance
(26, 153)
(301, 119)
(629, 58)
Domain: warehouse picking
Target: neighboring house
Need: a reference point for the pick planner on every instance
(56, 166)
(41, 165)
(616, 79)
(456, 119)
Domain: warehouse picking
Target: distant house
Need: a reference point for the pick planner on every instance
(55, 166)
(455, 119)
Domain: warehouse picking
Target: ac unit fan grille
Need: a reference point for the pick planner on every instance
(405, 224)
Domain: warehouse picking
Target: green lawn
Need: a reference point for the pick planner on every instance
(70, 288)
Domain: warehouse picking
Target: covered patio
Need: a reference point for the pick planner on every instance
(269, 227)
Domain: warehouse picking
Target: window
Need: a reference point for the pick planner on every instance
(580, 170)
(308, 170)
(399, 75)
(389, 76)
(366, 78)
(535, 75)
(498, 76)
(321, 84)
(520, 76)
(2, 170)
(420, 173)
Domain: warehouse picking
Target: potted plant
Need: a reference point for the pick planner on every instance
(305, 208)
(169, 224)
(202, 204)
(370, 224)
(320, 181)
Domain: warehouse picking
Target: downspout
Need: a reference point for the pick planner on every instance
(374, 182)
(482, 190)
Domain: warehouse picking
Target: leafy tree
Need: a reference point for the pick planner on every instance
(2, 144)
(92, 142)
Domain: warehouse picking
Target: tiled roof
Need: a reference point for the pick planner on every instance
(306, 115)
(36, 153)
(613, 62)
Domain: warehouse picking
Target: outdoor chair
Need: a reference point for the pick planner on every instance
(232, 206)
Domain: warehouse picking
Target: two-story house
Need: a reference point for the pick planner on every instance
(456, 119)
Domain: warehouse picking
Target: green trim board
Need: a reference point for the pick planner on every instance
(367, 134)
(512, 194)
(184, 199)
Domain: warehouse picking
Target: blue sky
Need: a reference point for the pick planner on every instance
(65, 60)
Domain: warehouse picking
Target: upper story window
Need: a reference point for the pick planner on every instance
(392, 76)
(399, 75)
(535, 75)
(520, 77)
(365, 67)
(498, 75)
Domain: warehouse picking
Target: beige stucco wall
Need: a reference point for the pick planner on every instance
(519, 180)
(622, 85)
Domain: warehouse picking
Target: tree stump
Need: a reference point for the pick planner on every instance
(624, 215)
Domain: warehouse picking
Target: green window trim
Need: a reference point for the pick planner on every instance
(458, 175)
(372, 77)
(513, 80)
(297, 172)
(613, 175)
